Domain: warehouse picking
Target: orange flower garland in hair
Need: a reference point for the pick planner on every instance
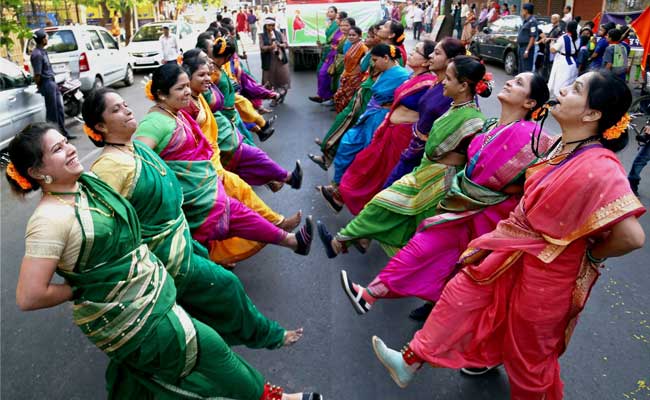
(17, 177)
(617, 130)
(147, 90)
(392, 50)
(92, 134)
(539, 113)
(179, 59)
(400, 39)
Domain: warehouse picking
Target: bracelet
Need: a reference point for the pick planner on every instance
(594, 259)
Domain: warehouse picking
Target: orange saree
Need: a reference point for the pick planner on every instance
(351, 77)
(519, 305)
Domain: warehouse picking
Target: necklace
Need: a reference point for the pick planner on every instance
(75, 204)
(557, 151)
(157, 166)
(175, 116)
(495, 132)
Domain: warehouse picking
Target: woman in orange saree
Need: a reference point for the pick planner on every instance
(524, 284)
(352, 76)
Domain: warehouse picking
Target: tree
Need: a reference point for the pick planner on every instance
(13, 24)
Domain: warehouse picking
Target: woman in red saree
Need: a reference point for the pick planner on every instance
(371, 167)
(352, 76)
(524, 284)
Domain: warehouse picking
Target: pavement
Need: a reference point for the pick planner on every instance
(44, 355)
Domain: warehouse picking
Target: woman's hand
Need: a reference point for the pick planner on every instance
(35, 289)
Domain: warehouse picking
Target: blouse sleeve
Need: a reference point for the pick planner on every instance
(54, 233)
(157, 127)
(411, 101)
(117, 170)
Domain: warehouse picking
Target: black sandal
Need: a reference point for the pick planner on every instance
(283, 94)
(312, 396)
(318, 160)
(329, 198)
(296, 177)
(265, 133)
(361, 306)
(326, 237)
(305, 236)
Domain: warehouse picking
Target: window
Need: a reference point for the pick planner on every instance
(60, 41)
(108, 40)
(511, 25)
(12, 76)
(95, 40)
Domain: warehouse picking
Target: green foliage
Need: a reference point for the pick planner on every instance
(13, 24)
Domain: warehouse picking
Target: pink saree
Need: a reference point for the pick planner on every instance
(519, 304)
(371, 167)
(472, 207)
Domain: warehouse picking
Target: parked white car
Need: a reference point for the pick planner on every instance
(89, 53)
(144, 49)
(20, 103)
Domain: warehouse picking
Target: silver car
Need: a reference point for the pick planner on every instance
(20, 103)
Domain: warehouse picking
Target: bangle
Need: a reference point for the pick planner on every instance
(593, 259)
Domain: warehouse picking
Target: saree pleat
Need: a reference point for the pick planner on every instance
(352, 76)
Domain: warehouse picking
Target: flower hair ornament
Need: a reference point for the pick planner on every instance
(147, 90)
(400, 39)
(484, 84)
(92, 134)
(617, 130)
(392, 51)
(540, 115)
(179, 59)
(13, 173)
(221, 44)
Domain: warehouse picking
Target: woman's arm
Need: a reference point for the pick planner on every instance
(35, 289)
(624, 237)
(148, 141)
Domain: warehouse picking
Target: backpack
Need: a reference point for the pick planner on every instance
(619, 60)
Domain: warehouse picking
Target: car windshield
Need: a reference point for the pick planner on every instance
(150, 33)
(61, 41)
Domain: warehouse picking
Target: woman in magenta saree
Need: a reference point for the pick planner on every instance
(212, 215)
(482, 194)
(370, 168)
(523, 286)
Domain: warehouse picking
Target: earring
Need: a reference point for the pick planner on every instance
(47, 179)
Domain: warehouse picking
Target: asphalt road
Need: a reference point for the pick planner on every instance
(43, 355)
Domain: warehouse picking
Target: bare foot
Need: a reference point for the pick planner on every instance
(289, 224)
(291, 337)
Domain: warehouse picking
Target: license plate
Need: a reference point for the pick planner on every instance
(60, 68)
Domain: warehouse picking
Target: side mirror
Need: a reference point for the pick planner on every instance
(486, 30)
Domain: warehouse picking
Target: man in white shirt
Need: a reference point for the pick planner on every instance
(281, 20)
(418, 17)
(428, 18)
(464, 10)
(169, 45)
(568, 16)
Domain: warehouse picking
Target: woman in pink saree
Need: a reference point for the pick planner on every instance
(366, 175)
(481, 195)
(524, 284)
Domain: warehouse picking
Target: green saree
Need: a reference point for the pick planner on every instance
(205, 290)
(393, 215)
(229, 111)
(124, 302)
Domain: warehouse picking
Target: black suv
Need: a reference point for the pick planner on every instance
(498, 40)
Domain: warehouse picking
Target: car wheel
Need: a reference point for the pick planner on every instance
(510, 63)
(98, 84)
(128, 78)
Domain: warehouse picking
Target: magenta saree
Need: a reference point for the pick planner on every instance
(472, 207)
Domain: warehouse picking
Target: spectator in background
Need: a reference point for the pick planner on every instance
(252, 24)
(169, 45)
(565, 70)
(596, 59)
(513, 9)
(242, 21)
(464, 10)
(468, 28)
(506, 10)
(482, 18)
(583, 50)
(568, 16)
(428, 18)
(46, 84)
(418, 17)
(281, 20)
(396, 13)
(457, 26)
(615, 57)
(526, 38)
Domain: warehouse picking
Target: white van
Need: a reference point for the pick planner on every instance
(89, 53)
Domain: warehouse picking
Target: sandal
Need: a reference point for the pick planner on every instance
(361, 306)
(305, 236)
(393, 362)
(316, 99)
(318, 141)
(283, 94)
(312, 396)
(328, 195)
(296, 177)
(326, 238)
(275, 186)
(318, 160)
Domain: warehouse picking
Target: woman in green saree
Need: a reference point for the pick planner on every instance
(124, 299)
(204, 289)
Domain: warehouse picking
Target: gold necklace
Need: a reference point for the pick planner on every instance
(158, 166)
(74, 204)
(175, 116)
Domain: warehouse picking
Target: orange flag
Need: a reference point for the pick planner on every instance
(596, 21)
(641, 26)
